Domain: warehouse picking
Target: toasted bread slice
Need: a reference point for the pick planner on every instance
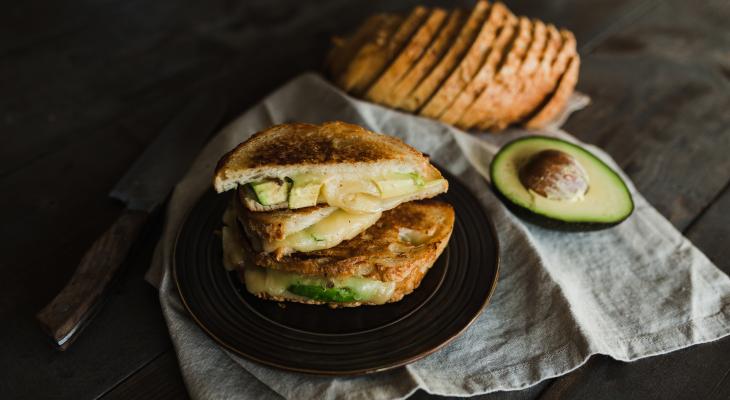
(284, 232)
(415, 48)
(372, 59)
(469, 65)
(332, 148)
(405, 237)
(344, 49)
(557, 102)
(485, 75)
(395, 291)
(428, 60)
(348, 167)
(523, 78)
(464, 40)
(392, 257)
(277, 225)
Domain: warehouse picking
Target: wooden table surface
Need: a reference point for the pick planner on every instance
(86, 85)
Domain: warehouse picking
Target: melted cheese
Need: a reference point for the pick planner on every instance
(275, 283)
(328, 232)
(360, 196)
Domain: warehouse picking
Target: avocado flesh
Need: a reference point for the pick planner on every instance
(357, 195)
(292, 285)
(607, 201)
(399, 185)
(304, 191)
(271, 192)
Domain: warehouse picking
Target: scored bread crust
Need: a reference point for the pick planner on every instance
(557, 102)
(491, 103)
(451, 59)
(485, 107)
(524, 75)
(557, 69)
(344, 49)
(440, 44)
(332, 148)
(374, 56)
(484, 76)
(358, 69)
(415, 48)
(469, 65)
(383, 251)
(534, 89)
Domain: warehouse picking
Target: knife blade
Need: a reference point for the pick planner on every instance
(142, 189)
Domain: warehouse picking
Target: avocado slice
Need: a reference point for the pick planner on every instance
(558, 184)
(304, 191)
(271, 192)
(399, 184)
(315, 292)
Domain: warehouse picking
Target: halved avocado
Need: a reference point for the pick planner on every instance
(558, 184)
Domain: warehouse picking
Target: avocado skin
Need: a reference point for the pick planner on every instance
(530, 216)
(548, 222)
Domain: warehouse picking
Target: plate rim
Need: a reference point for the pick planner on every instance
(348, 372)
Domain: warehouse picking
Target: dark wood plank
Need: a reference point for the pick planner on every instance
(51, 212)
(660, 101)
(88, 85)
(665, 120)
(160, 379)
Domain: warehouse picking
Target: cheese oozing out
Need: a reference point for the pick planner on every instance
(280, 284)
(355, 194)
(324, 234)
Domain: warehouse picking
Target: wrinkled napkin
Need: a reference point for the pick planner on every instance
(632, 291)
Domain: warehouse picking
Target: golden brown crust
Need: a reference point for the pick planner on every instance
(534, 89)
(382, 252)
(428, 61)
(491, 103)
(485, 75)
(358, 71)
(382, 87)
(469, 65)
(302, 145)
(559, 99)
(367, 66)
(521, 82)
(276, 225)
(451, 59)
(402, 289)
(344, 49)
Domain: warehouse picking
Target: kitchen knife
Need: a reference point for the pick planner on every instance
(143, 188)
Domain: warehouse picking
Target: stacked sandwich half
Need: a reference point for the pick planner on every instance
(480, 69)
(331, 214)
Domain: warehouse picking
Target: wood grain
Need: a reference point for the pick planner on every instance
(87, 85)
(668, 130)
(64, 317)
(160, 379)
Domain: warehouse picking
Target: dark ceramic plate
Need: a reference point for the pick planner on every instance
(348, 341)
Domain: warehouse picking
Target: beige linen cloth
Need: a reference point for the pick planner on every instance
(632, 291)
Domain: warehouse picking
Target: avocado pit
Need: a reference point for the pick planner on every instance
(555, 175)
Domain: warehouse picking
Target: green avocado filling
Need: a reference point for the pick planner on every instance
(314, 292)
(303, 191)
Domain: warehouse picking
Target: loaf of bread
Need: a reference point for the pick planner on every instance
(483, 69)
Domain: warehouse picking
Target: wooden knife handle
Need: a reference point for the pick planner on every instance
(67, 314)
